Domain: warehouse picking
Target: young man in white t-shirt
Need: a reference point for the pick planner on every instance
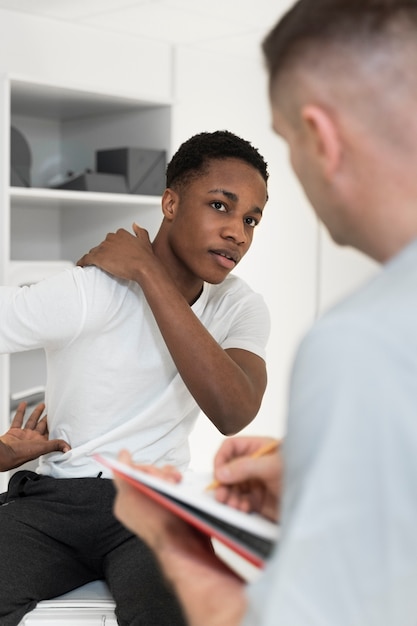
(132, 361)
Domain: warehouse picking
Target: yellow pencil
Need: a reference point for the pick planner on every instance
(266, 449)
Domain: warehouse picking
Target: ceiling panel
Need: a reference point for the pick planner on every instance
(166, 23)
(66, 9)
(229, 26)
(253, 13)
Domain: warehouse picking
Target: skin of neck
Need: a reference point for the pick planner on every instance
(188, 284)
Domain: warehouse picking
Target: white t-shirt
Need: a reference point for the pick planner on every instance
(348, 549)
(112, 383)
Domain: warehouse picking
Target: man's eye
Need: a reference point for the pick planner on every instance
(219, 206)
(251, 221)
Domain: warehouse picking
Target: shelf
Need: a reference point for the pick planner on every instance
(38, 197)
(59, 102)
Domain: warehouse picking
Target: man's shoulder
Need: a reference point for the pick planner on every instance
(379, 317)
(91, 277)
(387, 295)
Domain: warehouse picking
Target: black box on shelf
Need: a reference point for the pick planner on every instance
(95, 181)
(144, 169)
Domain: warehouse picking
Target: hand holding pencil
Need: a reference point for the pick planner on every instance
(248, 474)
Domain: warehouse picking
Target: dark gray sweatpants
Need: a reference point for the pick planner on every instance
(58, 534)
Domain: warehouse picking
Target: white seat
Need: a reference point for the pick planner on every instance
(90, 605)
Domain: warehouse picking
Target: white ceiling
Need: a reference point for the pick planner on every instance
(229, 26)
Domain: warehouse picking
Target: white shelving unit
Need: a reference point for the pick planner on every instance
(64, 126)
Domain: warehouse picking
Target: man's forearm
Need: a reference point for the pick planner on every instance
(209, 592)
(227, 391)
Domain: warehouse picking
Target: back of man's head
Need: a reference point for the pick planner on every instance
(313, 26)
(356, 54)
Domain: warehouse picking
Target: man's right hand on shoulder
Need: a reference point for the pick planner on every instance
(121, 253)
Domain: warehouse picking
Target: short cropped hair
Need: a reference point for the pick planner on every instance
(320, 23)
(194, 156)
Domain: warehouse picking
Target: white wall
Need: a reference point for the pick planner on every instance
(59, 53)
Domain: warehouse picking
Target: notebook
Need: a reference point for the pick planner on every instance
(249, 534)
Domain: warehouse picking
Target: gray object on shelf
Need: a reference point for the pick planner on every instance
(143, 168)
(95, 181)
(20, 159)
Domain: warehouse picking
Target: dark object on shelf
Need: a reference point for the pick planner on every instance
(20, 159)
(95, 181)
(144, 169)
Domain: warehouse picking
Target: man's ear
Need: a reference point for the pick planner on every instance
(169, 203)
(324, 138)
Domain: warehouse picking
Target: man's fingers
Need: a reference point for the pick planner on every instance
(57, 445)
(42, 426)
(17, 420)
(88, 258)
(33, 419)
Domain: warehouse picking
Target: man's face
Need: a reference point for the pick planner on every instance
(308, 167)
(302, 162)
(215, 218)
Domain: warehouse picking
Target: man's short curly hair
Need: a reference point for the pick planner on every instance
(194, 155)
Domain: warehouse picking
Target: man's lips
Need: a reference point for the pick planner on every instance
(226, 258)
